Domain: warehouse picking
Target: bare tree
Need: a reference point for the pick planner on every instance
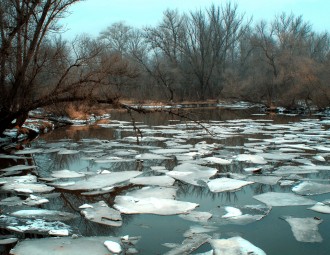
(38, 70)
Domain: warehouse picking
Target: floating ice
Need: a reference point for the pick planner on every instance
(256, 159)
(235, 245)
(253, 169)
(305, 229)
(67, 152)
(67, 174)
(66, 246)
(283, 199)
(151, 205)
(32, 200)
(32, 226)
(28, 151)
(311, 188)
(197, 229)
(157, 192)
(48, 215)
(150, 156)
(215, 160)
(103, 180)
(170, 151)
(113, 247)
(319, 158)
(27, 187)
(196, 216)
(101, 213)
(287, 170)
(323, 207)
(54, 232)
(189, 244)
(264, 179)
(162, 180)
(18, 168)
(226, 184)
(232, 212)
(192, 173)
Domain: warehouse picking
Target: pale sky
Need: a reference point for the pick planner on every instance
(93, 16)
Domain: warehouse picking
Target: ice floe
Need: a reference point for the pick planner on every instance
(192, 173)
(103, 180)
(66, 245)
(234, 245)
(48, 215)
(305, 229)
(151, 205)
(161, 180)
(321, 207)
(311, 188)
(226, 184)
(283, 199)
(67, 174)
(101, 213)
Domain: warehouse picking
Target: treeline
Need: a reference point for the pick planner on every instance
(218, 53)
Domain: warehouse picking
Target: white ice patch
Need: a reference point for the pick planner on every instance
(113, 247)
(157, 192)
(162, 180)
(18, 168)
(250, 158)
(103, 180)
(323, 207)
(235, 245)
(48, 215)
(215, 160)
(101, 213)
(263, 179)
(196, 216)
(311, 188)
(66, 174)
(305, 229)
(283, 199)
(192, 173)
(226, 184)
(151, 205)
(232, 212)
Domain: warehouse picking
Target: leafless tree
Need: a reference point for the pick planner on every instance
(38, 68)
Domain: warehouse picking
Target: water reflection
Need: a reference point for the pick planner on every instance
(112, 147)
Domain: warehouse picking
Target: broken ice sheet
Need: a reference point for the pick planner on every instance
(101, 213)
(32, 200)
(48, 215)
(311, 188)
(18, 168)
(196, 216)
(189, 244)
(157, 192)
(66, 246)
(264, 179)
(162, 180)
(192, 173)
(27, 187)
(226, 184)
(103, 180)
(198, 229)
(321, 207)
(67, 174)
(305, 229)
(250, 158)
(283, 199)
(152, 205)
(215, 160)
(235, 245)
(240, 215)
(31, 225)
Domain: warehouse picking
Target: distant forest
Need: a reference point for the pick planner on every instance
(213, 53)
(218, 54)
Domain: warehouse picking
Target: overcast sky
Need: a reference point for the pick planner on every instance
(92, 16)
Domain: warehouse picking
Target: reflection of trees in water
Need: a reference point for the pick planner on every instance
(202, 192)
